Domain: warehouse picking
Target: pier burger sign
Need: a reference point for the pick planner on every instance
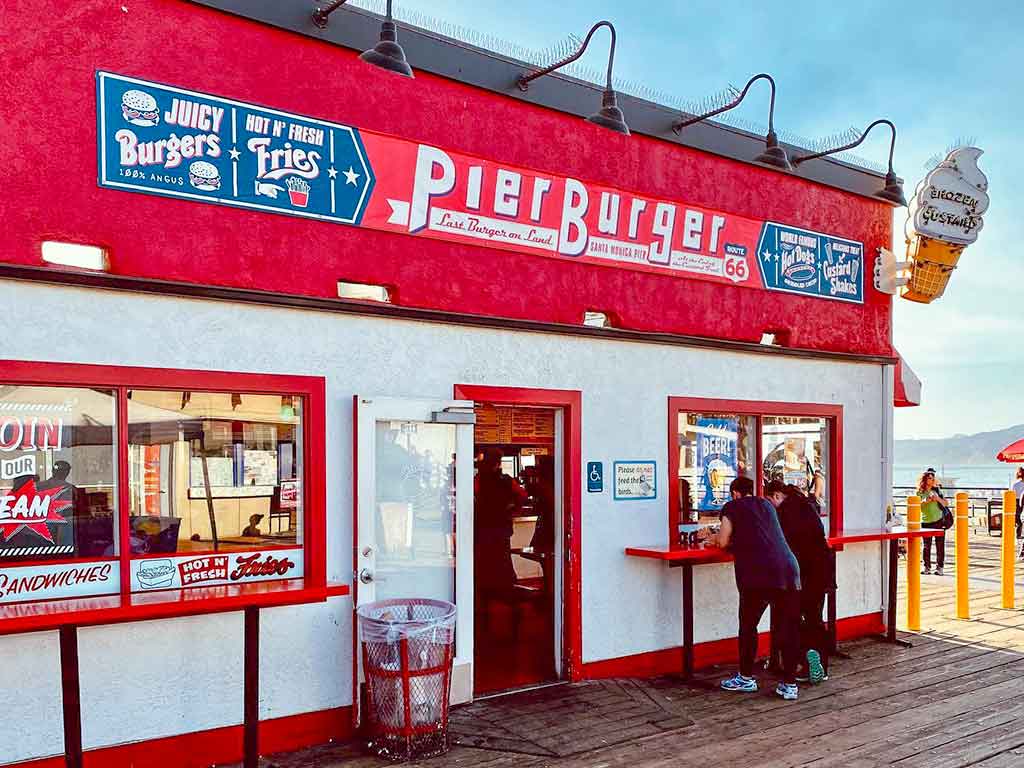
(164, 140)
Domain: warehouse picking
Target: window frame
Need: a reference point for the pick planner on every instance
(121, 379)
(759, 409)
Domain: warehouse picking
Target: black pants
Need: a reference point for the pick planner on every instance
(940, 546)
(813, 634)
(785, 605)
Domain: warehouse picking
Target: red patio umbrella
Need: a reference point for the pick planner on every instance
(1013, 453)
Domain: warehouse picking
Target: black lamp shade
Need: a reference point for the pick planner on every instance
(388, 54)
(610, 116)
(773, 154)
(893, 190)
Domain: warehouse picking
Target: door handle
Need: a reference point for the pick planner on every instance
(366, 576)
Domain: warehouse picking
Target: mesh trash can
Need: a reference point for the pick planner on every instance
(408, 647)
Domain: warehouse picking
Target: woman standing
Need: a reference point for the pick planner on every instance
(932, 507)
(1018, 488)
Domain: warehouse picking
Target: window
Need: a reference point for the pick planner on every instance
(122, 484)
(57, 459)
(243, 448)
(795, 452)
(714, 441)
(714, 449)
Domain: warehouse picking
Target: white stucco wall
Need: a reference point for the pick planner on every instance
(189, 670)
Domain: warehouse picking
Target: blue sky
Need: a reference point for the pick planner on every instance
(940, 71)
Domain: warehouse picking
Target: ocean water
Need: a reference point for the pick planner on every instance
(975, 476)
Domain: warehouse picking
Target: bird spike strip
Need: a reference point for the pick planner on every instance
(957, 143)
(565, 48)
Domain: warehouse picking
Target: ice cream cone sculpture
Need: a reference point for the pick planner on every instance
(945, 216)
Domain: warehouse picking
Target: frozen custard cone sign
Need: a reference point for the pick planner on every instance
(945, 216)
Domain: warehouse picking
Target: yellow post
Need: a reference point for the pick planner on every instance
(963, 606)
(914, 565)
(1009, 546)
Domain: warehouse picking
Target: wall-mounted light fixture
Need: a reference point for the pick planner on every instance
(76, 255)
(320, 14)
(773, 154)
(893, 189)
(610, 116)
(387, 53)
(595, 319)
(363, 291)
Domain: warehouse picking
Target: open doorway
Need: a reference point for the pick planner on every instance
(519, 546)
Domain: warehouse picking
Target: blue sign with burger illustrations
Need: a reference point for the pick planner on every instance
(800, 261)
(163, 140)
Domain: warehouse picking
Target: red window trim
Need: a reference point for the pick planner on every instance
(311, 389)
(758, 409)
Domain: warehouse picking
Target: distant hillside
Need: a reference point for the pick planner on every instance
(959, 450)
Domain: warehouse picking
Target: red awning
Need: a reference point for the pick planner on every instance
(908, 386)
(1013, 453)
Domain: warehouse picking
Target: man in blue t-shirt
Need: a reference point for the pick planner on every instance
(766, 574)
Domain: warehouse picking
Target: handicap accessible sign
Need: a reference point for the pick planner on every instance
(168, 141)
(800, 261)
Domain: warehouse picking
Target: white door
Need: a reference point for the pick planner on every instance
(414, 464)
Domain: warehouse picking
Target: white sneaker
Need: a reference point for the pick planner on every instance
(938, 571)
(786, 691)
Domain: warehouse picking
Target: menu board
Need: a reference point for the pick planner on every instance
(504, 424)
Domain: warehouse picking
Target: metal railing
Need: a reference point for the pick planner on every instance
(984, 504)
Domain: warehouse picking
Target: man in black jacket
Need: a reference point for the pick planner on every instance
(805, 535)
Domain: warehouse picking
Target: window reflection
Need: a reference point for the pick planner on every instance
(795, 452)
(57, 497)
(415, 510)
(213, 470)
(714, 449)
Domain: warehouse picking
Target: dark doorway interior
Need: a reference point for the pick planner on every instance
(515, 519)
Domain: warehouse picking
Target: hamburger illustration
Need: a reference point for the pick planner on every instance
(203, 175)
(155, 573)
(139, 108)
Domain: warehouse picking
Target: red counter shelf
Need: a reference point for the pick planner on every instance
(680, 555)
(858, 535)
(68, 614)
(863, 535)
(684, 558)
(687, 557)
(16, 618)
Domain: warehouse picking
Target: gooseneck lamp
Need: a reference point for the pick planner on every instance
(773, 154)
(320, 14)
(893, 189)
(610, 116)
(387, 53)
